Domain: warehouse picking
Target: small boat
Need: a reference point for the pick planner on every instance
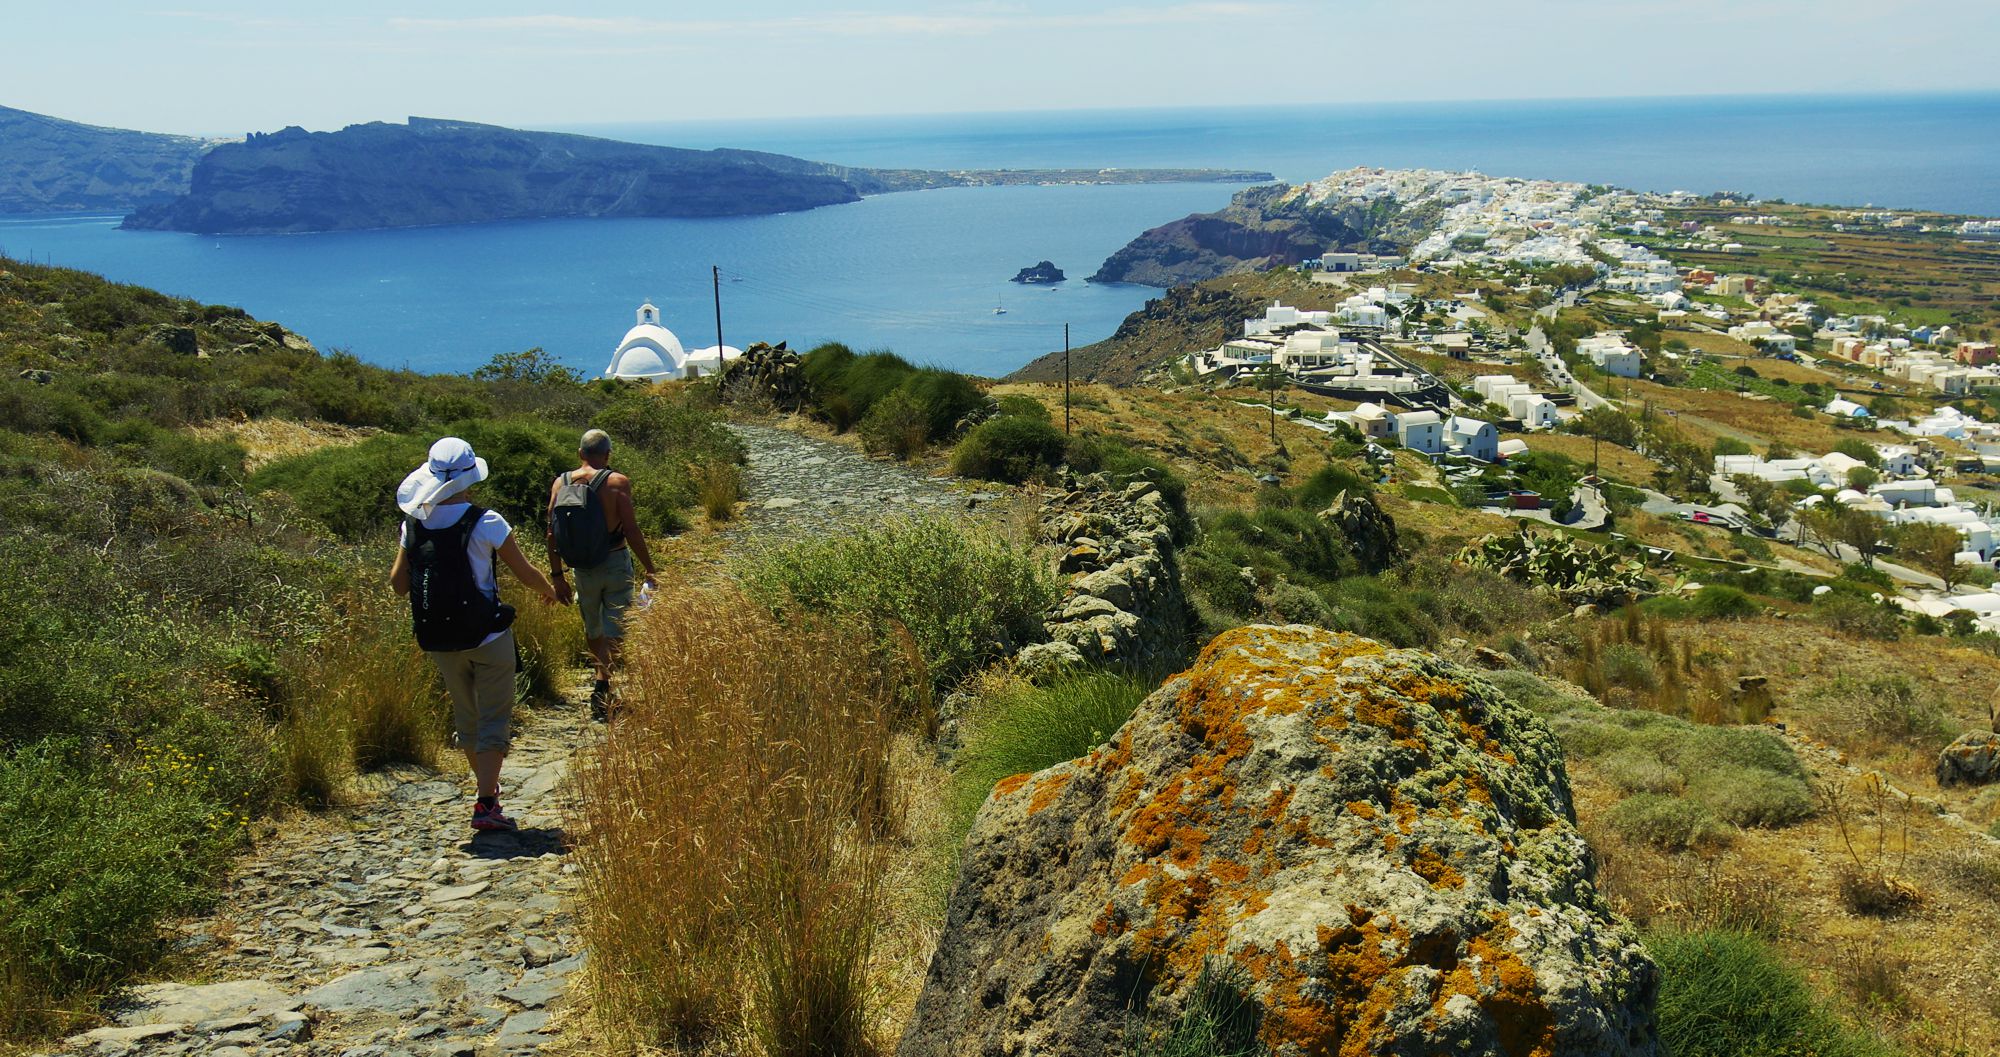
(999, 309)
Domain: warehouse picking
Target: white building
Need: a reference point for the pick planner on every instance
(1473, 438)
(1534, 410)
(1283, 315)
(704, 362)
(1762, 332)
(649, 351)
(1421, 431)
(1371, 419)
(1612, 354)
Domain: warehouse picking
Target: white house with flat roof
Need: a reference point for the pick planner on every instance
(1612, 354)
(1534, 410)
(1370, 418)
(1421, 431)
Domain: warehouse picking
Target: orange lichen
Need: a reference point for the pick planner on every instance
(1011, 784)
(1361, 809)
(1430, 866)
(1047, 791)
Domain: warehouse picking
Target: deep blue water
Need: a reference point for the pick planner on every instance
(922, 273)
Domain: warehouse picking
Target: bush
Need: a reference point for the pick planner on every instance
(1722, 602)
(898, 424)
(1011, 448)
(1889, 708)
(1855, 615)
(1665, 822)
(99, 853)
(966, 598)
(1021, 728)
(1628, 666)
(1019, 405)
(1727, 994)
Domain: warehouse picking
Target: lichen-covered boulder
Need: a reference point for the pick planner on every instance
(1382, 842)
(1974, 759)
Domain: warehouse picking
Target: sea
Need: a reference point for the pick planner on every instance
(926, 273)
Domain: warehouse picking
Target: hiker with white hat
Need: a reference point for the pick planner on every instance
(445, 565)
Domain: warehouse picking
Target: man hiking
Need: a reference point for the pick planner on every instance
(593, 531)
(445, 565)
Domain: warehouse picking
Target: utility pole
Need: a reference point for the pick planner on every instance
(1065, 379)
(1273, 372)
(721, 358)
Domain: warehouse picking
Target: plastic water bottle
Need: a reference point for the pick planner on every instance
(645, 595)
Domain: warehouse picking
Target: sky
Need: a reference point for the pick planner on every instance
(225, 67)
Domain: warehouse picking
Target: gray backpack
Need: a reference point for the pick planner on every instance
(577, 521)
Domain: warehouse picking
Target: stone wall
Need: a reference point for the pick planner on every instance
(1124, 606)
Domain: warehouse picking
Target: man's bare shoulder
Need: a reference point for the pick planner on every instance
(618, 480)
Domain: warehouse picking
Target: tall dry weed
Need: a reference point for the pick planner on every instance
(551, 641)
(733, 846)
(364, 697)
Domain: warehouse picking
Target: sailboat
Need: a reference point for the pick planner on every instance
(999, 309)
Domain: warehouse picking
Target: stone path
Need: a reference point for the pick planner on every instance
(797, 485)
(390, 929)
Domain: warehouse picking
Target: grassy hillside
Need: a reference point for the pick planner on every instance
(187, 646)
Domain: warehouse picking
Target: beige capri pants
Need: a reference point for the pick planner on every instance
(481, 682)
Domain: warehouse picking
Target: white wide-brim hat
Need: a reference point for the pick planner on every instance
(451, 469)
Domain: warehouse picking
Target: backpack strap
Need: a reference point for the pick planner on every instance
(597, 481)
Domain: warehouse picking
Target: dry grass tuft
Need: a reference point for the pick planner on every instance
(739, 821)
(718, 485)
(365, 697)
(551, 641)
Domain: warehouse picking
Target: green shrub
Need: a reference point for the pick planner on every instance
(1011, 448)
(1856, 615)
(965, 597)
(1635, 770)
(1023, 728)
(99, 852)
(1665, 822)
(1890, 708)
(1727, 994)
(1325, 485)
(1628, 666)
(898, 424)
(1722, 602)
(1378, 609)
(1020, 405)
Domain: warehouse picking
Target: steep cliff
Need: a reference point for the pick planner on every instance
(50, 165)
(449, 172)
(1262, 227)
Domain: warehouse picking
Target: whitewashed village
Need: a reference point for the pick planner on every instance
(1374, 345)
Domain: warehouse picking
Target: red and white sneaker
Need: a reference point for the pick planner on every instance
(488, 818)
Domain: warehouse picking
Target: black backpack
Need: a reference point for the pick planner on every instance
(577, 521)
(448, 611)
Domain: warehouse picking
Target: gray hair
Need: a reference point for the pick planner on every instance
(595, 442)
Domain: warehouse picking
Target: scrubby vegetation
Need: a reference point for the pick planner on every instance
(1727, 994)
(186, 643)
(897, 407)
(965, 598)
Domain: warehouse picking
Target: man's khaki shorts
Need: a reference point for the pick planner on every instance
(481, 681)
(603, 592)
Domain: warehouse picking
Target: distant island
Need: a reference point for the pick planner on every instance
(430, 172)
(50, 165)
(1044, 272)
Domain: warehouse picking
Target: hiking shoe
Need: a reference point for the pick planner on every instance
(600, 700)
(488, 818)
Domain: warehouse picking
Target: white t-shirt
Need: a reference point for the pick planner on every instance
(487, 538)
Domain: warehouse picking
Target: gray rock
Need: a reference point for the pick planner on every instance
(1974, 759)
(1382, 843)
(527, 1022)
(393, 990)
(537, 952)
(125, 1036)
(198, 1003)
(457, 892)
